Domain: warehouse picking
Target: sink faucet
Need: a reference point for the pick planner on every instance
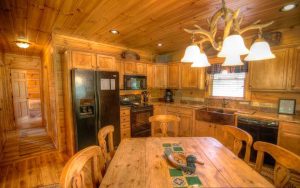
(224, 103)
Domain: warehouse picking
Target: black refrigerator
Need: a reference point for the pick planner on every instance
(95, 104)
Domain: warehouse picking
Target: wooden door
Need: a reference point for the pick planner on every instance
(149, 76)
(160, 75)
(270, 74)
(141, 68)
(174, 75)
(185, 125)
(289, 136)
(295, 85)
(20, 94)
(129, 67)
(106, 63)
(203, 128)
(189, 77)
(83, 60)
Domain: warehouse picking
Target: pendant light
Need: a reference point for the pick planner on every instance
(192, 53)
(202, 61)
(233, 44)
(233, 60)
(260, 50)
(22, 44)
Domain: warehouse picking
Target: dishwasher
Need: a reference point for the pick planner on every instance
(260, 130)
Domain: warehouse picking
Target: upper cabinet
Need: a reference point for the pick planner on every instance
(270, 74)
(160, 72)
(83, 60)
(141, 68)
(174, 75)
(131, 67)
(189, 77)
(150, 76)
(295, 85)
(106, 63)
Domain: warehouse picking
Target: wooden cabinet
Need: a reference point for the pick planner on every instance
(160, 72)
(203, 129)
(83, 60)
(125, 123)
(295, 85)
(141, 68)
(208, 129)
(289, 136)
(159, 110)
(120, 69)
(129, 67)
(186, 116)
(150, 76)
(174, 75)
(106, 63)
(270, 74)
(189, 77)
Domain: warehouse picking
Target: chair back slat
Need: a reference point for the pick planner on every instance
(83, 169)
(239, 136)
(164, 121)
(107, 132)
(285, 161)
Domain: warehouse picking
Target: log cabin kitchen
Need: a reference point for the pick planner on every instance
(116, 93)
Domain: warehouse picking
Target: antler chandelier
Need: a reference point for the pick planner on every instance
(232, 46)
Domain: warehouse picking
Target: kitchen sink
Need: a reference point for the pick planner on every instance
(216, 115)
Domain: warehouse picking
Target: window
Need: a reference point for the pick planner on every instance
(228, 84)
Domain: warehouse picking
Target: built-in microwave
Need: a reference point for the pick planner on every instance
(133, 82)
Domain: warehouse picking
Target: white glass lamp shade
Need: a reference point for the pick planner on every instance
(260, 50)
(192, 53)
(202, 61)
(233, 44)
(233, 60)
(22, 44)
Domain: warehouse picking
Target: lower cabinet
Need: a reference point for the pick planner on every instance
(125, 123)
(207, 129)
(186, 116)
(289, 136)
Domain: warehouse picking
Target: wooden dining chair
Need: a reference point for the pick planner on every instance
(107, 150)
(84, 169)
(236, 136)
(164, 121)
(286, 161)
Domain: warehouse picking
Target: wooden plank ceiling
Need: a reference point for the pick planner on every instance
(142, 23)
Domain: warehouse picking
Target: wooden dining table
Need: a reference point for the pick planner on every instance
(140, 162)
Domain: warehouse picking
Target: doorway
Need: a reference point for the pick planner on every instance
(26, 98)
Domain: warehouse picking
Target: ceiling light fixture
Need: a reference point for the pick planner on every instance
(288, 7)
(159, 44)
(233, 45)
(114, 31)
(22, 44)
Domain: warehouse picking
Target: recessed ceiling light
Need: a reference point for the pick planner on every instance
(288, 7)
(159, 44)
(22, 44)
(114, 31)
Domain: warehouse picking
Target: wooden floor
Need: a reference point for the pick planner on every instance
(29, 122)
(39, 171)
(25, 143)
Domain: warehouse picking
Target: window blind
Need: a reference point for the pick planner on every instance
(228, 84)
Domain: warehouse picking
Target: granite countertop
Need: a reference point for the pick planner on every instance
(241, 112)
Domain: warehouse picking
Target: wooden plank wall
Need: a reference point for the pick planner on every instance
(6, 105)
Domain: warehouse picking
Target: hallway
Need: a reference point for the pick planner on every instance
(24, 143)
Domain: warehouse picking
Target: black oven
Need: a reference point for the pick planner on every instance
(139, 117)
(133, 82)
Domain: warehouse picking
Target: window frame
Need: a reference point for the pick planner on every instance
(210, 89)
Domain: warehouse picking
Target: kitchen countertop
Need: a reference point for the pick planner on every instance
(243, 113)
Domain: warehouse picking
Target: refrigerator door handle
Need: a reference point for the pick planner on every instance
(98, 123)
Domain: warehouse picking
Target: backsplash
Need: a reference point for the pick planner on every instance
(258, 103)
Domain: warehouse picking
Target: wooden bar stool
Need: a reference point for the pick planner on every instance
(84, 169)
(164, 121)
(107, 150)
(238, 136)
(286, 162)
